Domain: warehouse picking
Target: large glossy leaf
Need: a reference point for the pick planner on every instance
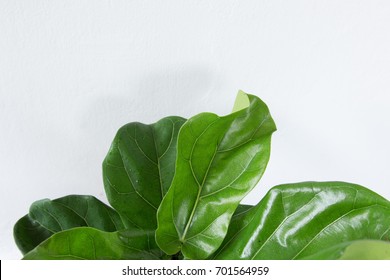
(355, 250)
(139, 168)
(296, 221)
(47, 217)
(93, 244)
(238, 222)
(219, 160)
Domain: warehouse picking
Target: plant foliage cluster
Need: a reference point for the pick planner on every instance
(175, 188)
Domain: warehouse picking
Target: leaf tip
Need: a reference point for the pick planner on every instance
(242, 101)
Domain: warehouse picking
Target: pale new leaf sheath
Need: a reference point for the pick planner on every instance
(219, 160)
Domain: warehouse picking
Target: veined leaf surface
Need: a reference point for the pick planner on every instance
(47, 217)
(296, 221)
(219, 160)
(139, 168)
(93, 244)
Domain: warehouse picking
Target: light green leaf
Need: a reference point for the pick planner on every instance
(93, 244)
(47, 217)
(242, 101)
(219, 160)
(296, 221)
(139, 168)
(355, 250)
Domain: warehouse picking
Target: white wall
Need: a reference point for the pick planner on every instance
(73, 72)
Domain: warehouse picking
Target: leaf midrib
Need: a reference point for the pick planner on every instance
(159, 157)
(200, 186)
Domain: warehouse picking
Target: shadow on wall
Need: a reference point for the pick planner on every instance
(182, 91)
(177, 91)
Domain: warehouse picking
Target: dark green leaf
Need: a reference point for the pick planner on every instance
(219, 160)
(47, 217)
(296, 221)
(241, 209)
(29, 233)
(139, 168)
(92, 244)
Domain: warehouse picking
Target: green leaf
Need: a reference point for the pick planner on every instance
(239, 221)
(28, 234)
(139, 168)
(240, 210)
(93, 244)
(367, 250)
(219, 160)
(355, 250)
(296, 221)
(47, 217)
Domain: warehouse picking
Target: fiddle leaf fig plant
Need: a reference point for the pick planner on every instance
(175, 189)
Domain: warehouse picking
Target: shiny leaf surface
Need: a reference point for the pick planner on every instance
(47, 217)
(219, 160)
(139, 168)
(93, 244)
(295, 221)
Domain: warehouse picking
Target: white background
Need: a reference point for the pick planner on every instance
(304, 270)
(73, 72)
